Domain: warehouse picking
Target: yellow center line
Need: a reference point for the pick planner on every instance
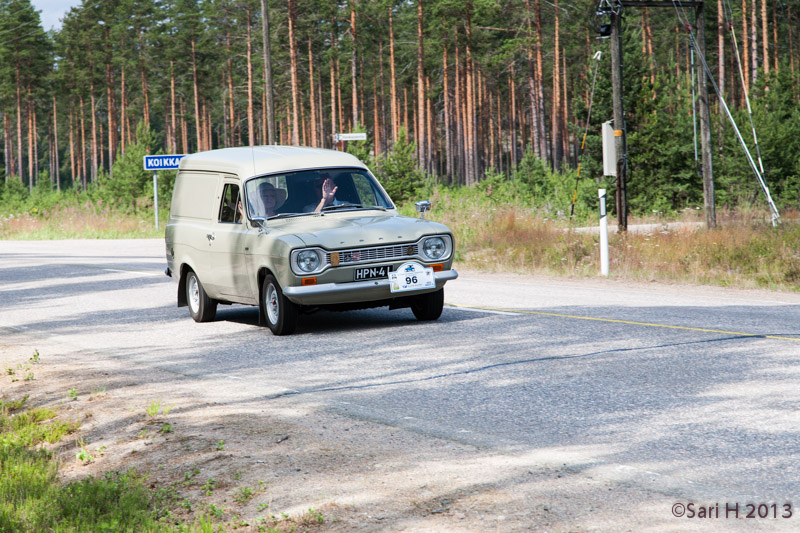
(629, 322)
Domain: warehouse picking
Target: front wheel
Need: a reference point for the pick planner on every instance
(281, 314)
(201, 307)
(428, 306)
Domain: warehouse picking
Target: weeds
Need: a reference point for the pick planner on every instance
(83, 454)
(73, 394)
(33, 498)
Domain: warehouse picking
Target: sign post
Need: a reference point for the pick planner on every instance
(160, 162)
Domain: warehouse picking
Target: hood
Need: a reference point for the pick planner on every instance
(357, 229)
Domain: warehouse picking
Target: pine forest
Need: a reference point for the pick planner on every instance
(474, 91)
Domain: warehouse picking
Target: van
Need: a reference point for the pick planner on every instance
(294, 229)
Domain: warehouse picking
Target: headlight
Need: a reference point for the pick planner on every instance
(434, 247)
(308, 260)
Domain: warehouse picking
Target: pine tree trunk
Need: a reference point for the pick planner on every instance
(458, 104)
(293, 62)
(448, 147)
(540, 82)
(775, 34)
(376, 145)
(354, 63)
(56, 173)
(196, 90)
(94, 148)
(395, 112)
(333, 78)
(753, 42)
(229, 78)
(746, 50)
(721, 45)
(19, 125)
(31, 154)
(565, 106)
(145, 90)
(83, 146)
(471, 153)
(251, 118)
(512, 117)
(764, 37)
(123, 104)
(384, 124)
(269, 105)
(172, 113)
(312, 95)
(429, 125)
(420, 126)
(72, 147)
(791, 45)
(8, 158)
(532, 44)
(556, 119)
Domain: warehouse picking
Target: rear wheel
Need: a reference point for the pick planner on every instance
(281, 314)
(428, 306)
(201, 307)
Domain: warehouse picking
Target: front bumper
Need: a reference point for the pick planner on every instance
(356, 291)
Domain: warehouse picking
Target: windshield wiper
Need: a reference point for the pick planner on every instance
(341, 206)
(287, 215)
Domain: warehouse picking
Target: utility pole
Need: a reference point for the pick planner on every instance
(705, 120)
(619, 119)
(613, 8)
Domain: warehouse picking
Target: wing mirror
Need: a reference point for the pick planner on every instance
(423, 206)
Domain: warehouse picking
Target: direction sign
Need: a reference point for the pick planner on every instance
(350, 136)
(162, 162)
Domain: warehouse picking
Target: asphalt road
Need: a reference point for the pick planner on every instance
(692, 391)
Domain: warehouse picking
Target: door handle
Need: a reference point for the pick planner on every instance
(210, 236)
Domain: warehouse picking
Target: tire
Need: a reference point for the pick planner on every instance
(201, 307)
(428, 306)
(281, 314)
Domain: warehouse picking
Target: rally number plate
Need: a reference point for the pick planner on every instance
(411, 277)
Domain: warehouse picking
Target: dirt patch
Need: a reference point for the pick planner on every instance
(255, 467)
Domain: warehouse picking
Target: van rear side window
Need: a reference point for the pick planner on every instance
(192, 195)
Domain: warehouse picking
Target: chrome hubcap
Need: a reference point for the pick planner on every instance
(272, 304)
(194, 294)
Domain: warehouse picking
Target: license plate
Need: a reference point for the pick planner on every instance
(411, 277)
(373, 272)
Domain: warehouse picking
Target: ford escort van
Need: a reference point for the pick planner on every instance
(294, 229)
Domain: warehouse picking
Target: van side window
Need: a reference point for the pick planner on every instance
(228, 211)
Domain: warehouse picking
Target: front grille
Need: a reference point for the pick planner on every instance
(366, 255)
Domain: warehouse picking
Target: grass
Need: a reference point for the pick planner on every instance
(89, 221)
(32, 499)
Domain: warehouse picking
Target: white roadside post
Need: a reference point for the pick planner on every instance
(160, 162)
(155, 195)
(603, 233)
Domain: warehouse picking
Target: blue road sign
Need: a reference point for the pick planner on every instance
(162, 162)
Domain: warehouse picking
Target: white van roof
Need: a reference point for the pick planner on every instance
(247, 161)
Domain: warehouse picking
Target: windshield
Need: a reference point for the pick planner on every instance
(309, 191)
